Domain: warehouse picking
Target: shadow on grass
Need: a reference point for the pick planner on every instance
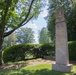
(32, 72)
(45, 72)
(41, 72)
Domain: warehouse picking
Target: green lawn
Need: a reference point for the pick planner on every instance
(43, 69)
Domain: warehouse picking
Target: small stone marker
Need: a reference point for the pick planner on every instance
(61, 55)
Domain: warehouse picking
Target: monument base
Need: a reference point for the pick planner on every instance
(62, 68)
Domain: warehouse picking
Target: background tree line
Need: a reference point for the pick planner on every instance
(70, 15)
(21, 36)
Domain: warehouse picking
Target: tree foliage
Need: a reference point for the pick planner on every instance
(14, 14)
(44, 36)
(25, 35)
(70, 13)
(19, 13)
(9, 40)
(71, 23)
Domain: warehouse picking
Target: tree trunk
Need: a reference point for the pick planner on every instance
(1, 41)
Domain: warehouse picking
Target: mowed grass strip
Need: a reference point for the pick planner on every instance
(41, 69)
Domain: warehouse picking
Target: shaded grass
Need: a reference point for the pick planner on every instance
(23, 62)
(42, 69)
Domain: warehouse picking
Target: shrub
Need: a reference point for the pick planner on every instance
(14, 53)
(48, 49)
(35, 49)
(18, 52)
(72, 50)
(37, 52)
(44, 50)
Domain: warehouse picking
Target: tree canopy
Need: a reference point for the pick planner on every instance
(70, 13)
(25, 35)
(14, 14)
(44, 36)
(9, 40)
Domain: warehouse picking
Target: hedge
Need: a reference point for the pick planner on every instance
(72, 50)
(44, 50)
(18, 52)
(14, 53)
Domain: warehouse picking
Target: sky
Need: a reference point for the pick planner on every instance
(39, 23)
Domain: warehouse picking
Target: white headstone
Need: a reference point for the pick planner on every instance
(61, 55)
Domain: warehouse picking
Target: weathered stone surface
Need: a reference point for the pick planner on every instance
(61, 44)
(62, 68)
(62, 56)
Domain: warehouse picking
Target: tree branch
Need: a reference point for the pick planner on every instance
(21, 24)
(27, 20)
(8, 33)
(8, 4)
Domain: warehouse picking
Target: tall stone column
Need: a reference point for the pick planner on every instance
(61, 49)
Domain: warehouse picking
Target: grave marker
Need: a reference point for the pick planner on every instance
(61, 53)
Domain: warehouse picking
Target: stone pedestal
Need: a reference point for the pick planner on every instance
(61, 47)
(62, 68)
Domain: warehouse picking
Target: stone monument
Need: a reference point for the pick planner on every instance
(61, 49)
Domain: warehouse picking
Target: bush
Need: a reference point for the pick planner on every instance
(14, 53)
(48, 49)
(20, 52)
(33, 49)
(37, 52)
(44, 50)
(72, 50)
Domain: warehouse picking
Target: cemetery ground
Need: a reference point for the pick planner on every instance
(33, 67)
